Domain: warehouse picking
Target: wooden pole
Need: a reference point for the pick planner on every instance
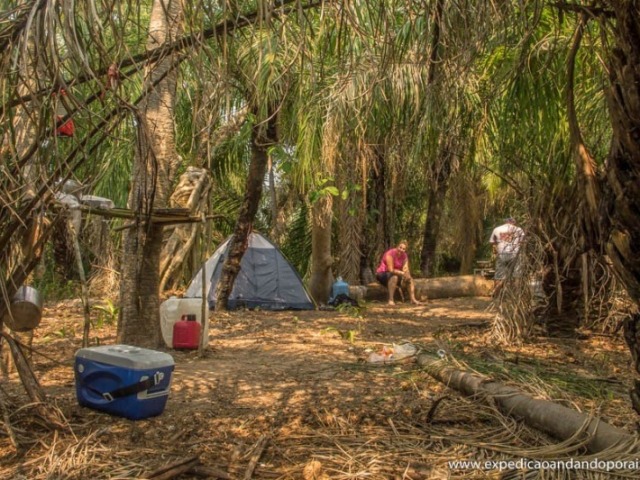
(204, 336)
(86, 309)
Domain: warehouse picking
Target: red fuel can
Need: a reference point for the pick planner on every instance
(186, 333)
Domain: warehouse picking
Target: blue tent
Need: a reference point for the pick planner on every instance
(266, 279)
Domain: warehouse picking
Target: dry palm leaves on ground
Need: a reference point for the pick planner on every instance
(288, 395)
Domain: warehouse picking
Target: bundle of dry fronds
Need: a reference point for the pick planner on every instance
(521, 295)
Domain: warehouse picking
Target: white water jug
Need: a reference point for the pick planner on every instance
(172, 310)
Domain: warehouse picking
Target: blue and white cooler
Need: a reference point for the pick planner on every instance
(122, 380)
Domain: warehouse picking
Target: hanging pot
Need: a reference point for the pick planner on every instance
(25, 311)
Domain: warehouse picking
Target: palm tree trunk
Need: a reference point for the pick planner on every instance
(470, 237)
(321, 259)
(623, 170)
(563, 313)
(377, 235)
(63, 254)
(440, 180)
(441, 174)
(350, 225)
(262, 139)
(139, 301)
(154, 164)
(432, 231)
(273, 201)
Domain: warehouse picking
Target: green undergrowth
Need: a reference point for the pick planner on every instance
(539, 378)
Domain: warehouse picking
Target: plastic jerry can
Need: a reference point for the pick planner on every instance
(186, 332)
(339, 287)
(173, 309)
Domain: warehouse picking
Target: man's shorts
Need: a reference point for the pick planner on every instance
(507, 264)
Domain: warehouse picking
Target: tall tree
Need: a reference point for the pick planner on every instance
(622, 216)
(321, 258)
(521, 112)
(19, 142)
(154, 165)
(263, 137)
(376, 232)
(441, 171)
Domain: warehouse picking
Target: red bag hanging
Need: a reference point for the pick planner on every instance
(67, 128)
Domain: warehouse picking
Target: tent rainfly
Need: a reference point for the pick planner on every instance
(266, 279)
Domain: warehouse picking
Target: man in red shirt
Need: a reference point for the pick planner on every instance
(394, 268)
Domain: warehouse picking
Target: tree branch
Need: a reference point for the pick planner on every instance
(589, 10)
(150, 56)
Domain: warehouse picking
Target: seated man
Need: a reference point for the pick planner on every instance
(394, 268)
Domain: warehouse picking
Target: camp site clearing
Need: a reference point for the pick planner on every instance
(291, 395)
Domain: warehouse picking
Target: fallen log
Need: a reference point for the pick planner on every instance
(441, 287)
(556, 420)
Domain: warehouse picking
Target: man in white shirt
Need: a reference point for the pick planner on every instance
(506, 241)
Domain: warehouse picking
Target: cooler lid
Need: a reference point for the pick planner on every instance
(126, 356)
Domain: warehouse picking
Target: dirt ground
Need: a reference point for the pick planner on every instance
(290, 395)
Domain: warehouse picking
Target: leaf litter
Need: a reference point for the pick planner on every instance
(287, 395)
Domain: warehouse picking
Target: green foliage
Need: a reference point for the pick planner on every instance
(50, 284)
(351, 85)
(65, 332)
(107, 314)
(115, 160)
(230, 159)
(555, 383)
(325, 188)
(348, 335)
(297, 245)
(53, 288)
(353, 310)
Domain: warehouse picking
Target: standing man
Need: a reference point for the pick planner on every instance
(394, 268)
(506, 241)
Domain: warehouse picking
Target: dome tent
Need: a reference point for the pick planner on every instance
(266, 279)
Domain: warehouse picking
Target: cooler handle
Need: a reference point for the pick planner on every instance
(138, 387)
(146, 395)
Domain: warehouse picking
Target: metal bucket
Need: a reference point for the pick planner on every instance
(25, 311)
